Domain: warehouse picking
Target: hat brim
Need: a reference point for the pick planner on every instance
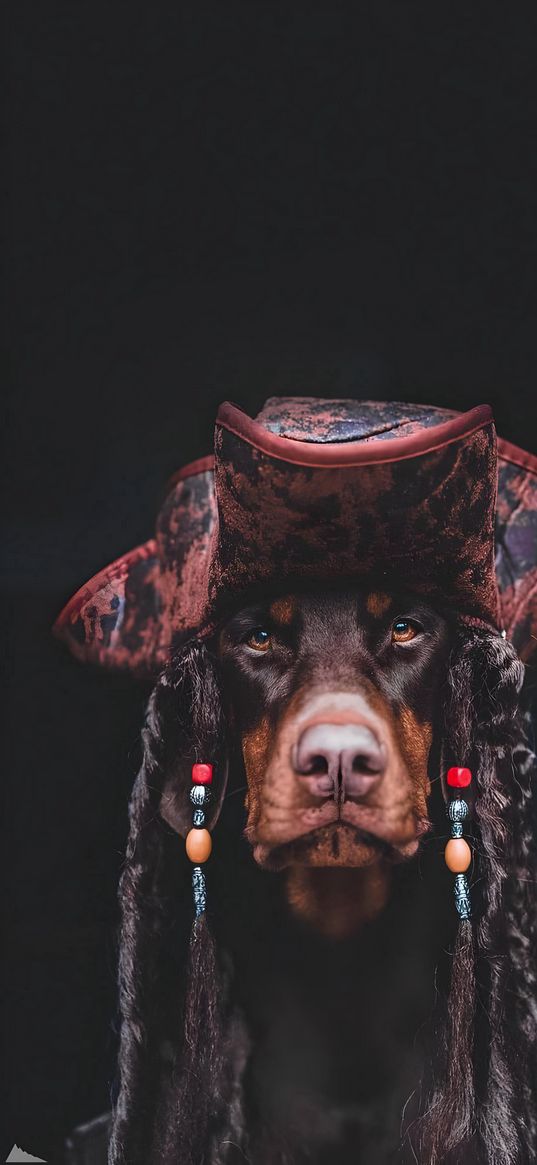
(516, 546)
(114, 619)
(125, 616)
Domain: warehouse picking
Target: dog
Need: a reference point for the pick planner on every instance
(332, 700)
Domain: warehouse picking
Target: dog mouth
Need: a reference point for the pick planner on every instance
(338, 841)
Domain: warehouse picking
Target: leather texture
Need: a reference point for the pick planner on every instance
(317, 490)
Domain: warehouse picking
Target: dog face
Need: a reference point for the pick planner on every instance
(333, 697)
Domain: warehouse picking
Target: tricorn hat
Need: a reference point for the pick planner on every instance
(317, 490)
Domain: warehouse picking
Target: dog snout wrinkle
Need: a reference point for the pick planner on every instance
(339, 760)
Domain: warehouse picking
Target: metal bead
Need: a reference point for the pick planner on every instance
(198, 818)
(199, 890)
(200, 795)
(462, 896)
(456, 829)
(457, 809)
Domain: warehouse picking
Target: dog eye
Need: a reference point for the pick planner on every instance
(259, 639)
(404, 630)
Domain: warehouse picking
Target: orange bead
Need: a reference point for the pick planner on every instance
(198, 845)
(458, 855)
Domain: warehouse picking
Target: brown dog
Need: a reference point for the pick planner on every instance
(333, 697)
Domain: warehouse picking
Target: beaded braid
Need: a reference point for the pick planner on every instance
(153, 1118)
(521, 923)
(488, 1115)
(138, 948)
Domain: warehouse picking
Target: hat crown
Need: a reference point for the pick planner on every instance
(325, 421)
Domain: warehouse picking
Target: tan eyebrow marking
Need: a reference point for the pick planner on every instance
(377, 603)
(282, 610)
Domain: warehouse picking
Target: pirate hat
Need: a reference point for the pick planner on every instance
(313, 490)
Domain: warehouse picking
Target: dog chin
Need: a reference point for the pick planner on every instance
(337, 844)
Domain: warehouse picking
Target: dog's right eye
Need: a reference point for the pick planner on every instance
(259, 639)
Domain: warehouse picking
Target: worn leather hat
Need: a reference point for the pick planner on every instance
(318, 491)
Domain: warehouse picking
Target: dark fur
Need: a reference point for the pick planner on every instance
(188, 1090)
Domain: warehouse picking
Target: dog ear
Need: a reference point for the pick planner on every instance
(195, 733)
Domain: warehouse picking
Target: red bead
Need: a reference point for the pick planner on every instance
(458, 778)
(202, 774)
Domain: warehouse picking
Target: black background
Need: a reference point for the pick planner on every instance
(213, 201)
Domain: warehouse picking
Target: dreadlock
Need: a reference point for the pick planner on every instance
(170, 1067)
(482, 1109)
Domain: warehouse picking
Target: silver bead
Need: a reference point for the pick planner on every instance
(457, 809)
(199, 890)
(200, 795)
(456, 828)
(198, 818)
(462, 896)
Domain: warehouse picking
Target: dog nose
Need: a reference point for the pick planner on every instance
(339, 756)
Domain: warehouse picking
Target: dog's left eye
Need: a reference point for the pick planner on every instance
(404, 630)
(259, 639)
